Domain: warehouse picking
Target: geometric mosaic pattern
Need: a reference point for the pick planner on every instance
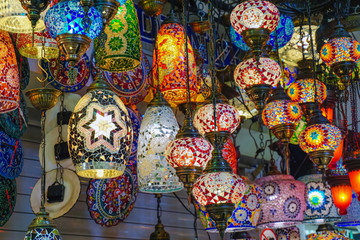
(303, 91)
(340, 50)
(43, 234)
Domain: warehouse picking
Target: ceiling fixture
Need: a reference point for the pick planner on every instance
(352, 218)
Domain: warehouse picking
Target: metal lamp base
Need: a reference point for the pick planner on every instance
(222, 137)
(73, 46)
(159, 233)
(188, 176)
(200, 27)
(43, 98)
(321, 158)
(284, 132)
(42, 220)
(152, 7)
(344, 70)
(258, 94)
(220, 213)
(256, 39)
(107, 9)
(308, 108)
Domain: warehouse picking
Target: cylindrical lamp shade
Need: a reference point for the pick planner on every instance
(303, 91)
(338, 50)
(9, 75)
(7, 199)
(249, 73)
(255, 14)
(283, 203)
(245, 216)
(100, 135)
(42, 40)
(122, 51)
(320, 206)
(13, 18)
(228, 118)
(169, 64)
(292, 233)
(352, 218)
(155, 174)
(67, 17)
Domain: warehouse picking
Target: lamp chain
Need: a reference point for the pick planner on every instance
(158, 209)
(43, 177)
(59, 168)
(185, 24)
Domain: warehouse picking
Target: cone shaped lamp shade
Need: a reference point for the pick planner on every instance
(158, 128)
(170, 64)
(122, 50)
(303, 91)
(100, 135)
(9, 75)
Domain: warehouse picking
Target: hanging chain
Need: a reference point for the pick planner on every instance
(43, 178)
(262, 142)
(158, 209)
(60, 169)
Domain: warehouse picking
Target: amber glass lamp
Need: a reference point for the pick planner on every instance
(352, 165)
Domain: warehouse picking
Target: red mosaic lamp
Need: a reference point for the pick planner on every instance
(352, 165)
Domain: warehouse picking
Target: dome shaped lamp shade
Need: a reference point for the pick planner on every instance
(341, 53)
(283, 203)
(100, 133)
(353, 168)
(158, 128)
(9, 75)
(170, 64)
(122, 49)
(255, 20)
(64, 22)
(257, 79)
(320, 139)
(352, 218)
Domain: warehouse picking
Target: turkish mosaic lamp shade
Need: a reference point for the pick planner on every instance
(245, 216)
(338, 50)
(13, 18)
(244, 105)
(352, 218)
(283, 201)
(320, 207)
(169, 64)
(9, 75)
(122, 50)
(327, 235)
(255, 14)
(292, 233)
(42, 228)
(100, 135)
(7, 199)
(303, 91)
(158, 128)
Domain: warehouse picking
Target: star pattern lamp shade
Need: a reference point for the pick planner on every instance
(100, 135)
(303, 91)
(122, 51)
(9, 75)
(170, 63)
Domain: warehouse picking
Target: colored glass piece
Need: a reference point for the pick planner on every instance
(47, 233)
(303, 91)
(299, 128)
(340, 50)
(11, 155)
(122, 51)
(7, 199)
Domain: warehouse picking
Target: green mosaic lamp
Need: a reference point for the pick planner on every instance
(121, 51)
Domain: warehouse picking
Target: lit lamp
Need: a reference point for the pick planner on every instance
(100, 133)
(341, 191)
(64, 22)
(352, 218)
(257, 79)
(352, 165)
(34, 8)
(9, 76)
(341, 53)
(320, 139)
(255, 20)
(152, 7)
(170, 64)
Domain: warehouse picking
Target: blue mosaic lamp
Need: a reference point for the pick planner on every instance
(352, 218)
(72, 28)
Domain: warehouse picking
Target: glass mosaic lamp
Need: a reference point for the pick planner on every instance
(352, 165)
(122, 49)
(255, 20)
(281, 115)
(64, 22)
(170, 64)
(9, 75)
(100, 133)
(320, 206)
(320, 139)
(341, 191)
(257, 79)
(283, 203)
(327, 232)
(158, 128)
(352, 218)
(341, 53)
(291, 233)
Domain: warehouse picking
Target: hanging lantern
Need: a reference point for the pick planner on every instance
(352, 165)
(244, 105)
(283, 203)
(122, 49)
(341, 53)
(170, 63)
(352, 218)
(341, 191)
(152, 7)
(320, 206)
(255, 20)
(281, 115)
(158, 128)
(42, 227)
(292, 233)
(326, 232)
(100, 133)
(257, 79)
(7, 199)
(245, 216)
(320, 139)
(64, 22)
(9, 75)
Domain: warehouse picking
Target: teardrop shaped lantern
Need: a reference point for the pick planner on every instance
(100, 133)
(122, 49)
(170, 64)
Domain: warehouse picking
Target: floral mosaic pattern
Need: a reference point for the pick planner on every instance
(7, 199)
(228, 118)
(340, 50)
(11, 155)
(255, 14)
(67, 16)
(303, 91)
(249, 73)
(281, 112)
(43, 233)
(158, 128)
(111, 200)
